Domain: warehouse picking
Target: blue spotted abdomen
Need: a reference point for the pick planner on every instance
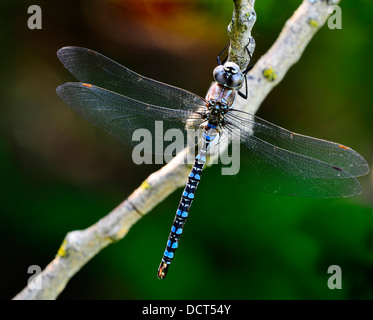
(185, 204)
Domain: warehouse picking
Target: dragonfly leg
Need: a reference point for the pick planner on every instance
(249, 65)
(218, 58)
(248, 68)
(244, 95)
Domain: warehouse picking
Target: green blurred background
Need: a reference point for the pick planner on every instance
(58, 173)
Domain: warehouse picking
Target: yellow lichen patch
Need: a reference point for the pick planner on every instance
(121, 233)
(313, 23)
(145, 185)
(62, 250)
(111, 239)
(270, 74)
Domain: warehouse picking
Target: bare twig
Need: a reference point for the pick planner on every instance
(80, 246)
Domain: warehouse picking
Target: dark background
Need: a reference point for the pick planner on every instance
(58, 173)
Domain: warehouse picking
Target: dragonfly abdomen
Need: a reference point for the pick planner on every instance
(185, 203)
(182, 213)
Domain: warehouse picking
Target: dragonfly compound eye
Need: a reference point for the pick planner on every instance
(235, 80)
(220, 75)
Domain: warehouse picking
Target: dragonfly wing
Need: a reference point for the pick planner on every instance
(279, 171)
(92, 67)
(121, 116)
(333, 153)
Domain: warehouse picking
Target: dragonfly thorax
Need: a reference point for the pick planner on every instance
(220, 100)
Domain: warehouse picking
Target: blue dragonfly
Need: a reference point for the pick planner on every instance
(272, 159)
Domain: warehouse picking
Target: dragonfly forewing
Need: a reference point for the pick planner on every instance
(121, 116)
(92, 67)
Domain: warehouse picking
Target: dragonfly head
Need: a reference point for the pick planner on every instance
(229, 75)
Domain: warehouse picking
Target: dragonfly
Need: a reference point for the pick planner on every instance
(273, 159)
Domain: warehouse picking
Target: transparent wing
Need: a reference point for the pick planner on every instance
(92, 67)
(121, 116)
(333, 153)
(309, 168)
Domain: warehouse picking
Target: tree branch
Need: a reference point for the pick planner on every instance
(239, 32)
(271, 68)
(80, 246)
